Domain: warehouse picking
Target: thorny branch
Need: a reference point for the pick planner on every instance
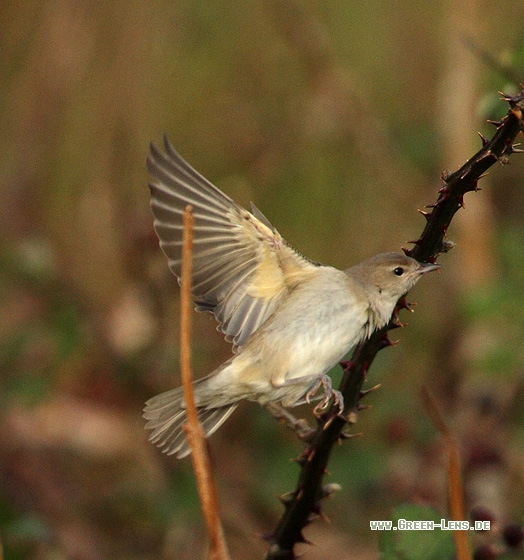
(304, 503)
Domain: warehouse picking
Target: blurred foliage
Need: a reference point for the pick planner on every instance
(493, 309)
(331, 118)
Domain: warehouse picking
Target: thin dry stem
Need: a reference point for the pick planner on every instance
(194, 431)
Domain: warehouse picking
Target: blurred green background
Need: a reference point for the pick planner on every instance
(336, 118)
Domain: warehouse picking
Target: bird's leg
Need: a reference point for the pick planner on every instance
(324, 381)
(299, 426)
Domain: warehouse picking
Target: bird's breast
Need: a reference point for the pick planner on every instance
(315, 328)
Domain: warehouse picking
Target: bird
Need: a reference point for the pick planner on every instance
(290, 320)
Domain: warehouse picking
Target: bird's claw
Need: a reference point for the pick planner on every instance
(338, 401)
(330, 394)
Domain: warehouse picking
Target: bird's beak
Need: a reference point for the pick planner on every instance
(427, 267)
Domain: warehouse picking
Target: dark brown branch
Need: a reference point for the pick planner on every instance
(305, 501)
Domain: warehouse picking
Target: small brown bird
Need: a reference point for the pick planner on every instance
(290, 320)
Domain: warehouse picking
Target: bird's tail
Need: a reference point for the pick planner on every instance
(166, 414)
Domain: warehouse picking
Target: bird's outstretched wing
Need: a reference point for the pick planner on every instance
(242, 268)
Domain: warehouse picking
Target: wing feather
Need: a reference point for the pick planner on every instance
(242, 268)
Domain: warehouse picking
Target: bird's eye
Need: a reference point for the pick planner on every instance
(399, 271)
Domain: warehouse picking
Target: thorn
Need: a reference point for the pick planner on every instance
(363, 407)
(385, 341)
(498, 124)
(425, 214)
(485, 141)
(329, 489)
(445, 175)
(348, 435)
(303, 539)
(461, 203)
(443, 190)
(505, 96)
(330, 420)
(407, 252)
(403, 304)
(286, 498)
(346, 364)
(447, 246)
(397, 323)
(390, 342)
(365, 392)
(416, 241)
(317, 513)
(309, 453)
(302, 459)
(474, 186)
(515, 150)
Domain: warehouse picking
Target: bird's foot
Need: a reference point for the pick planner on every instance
(330, 394)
